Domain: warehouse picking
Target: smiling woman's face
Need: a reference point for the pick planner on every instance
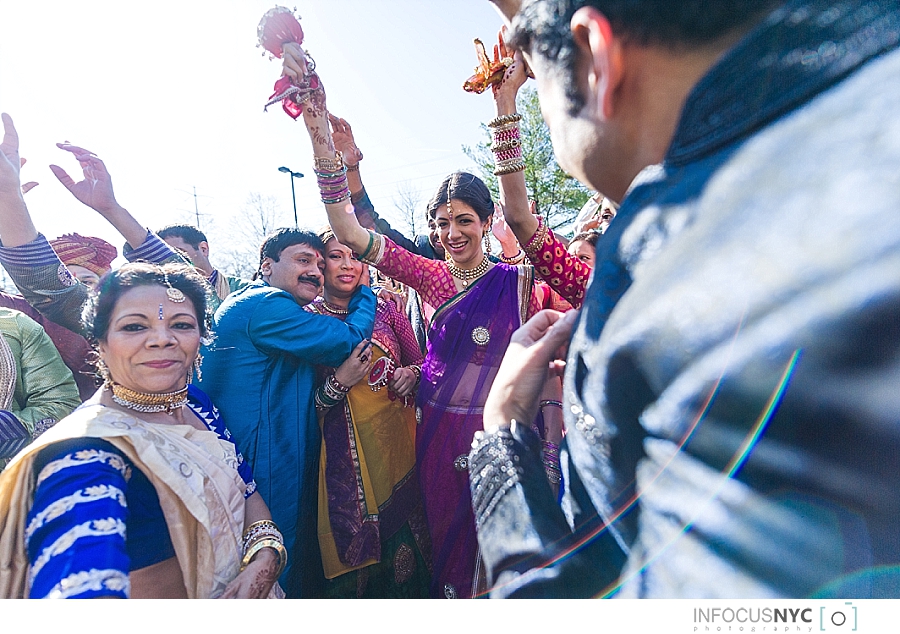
(342, 270)
(151, 341)
(462, 235)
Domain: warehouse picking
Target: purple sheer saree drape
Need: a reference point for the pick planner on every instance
(467, 340)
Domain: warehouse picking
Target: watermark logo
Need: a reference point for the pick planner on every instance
(804, 618)
(844, 618)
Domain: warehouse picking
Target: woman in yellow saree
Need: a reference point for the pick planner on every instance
(372, 530)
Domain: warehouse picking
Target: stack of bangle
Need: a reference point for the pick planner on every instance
(417, 370)
(331, 175)
(537, 239)
(516, 259)
(259, 535)
(550, 459)
(330, 393)
(507, 146)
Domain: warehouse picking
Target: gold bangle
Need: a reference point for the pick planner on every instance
(502, 146)
(504, 119)
(259, 523)
(537, 239)
(518, 257)
(327, 164)
(510, 169)
(275, 545)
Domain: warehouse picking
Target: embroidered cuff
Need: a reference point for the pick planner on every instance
(153, 249)
(493, 470)
(38, 252)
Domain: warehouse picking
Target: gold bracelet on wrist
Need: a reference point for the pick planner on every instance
(537, 240)
(516, 259)
(504, 119)
(327, 164)
(275, 545)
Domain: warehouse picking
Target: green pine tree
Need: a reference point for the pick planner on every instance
(559, 197)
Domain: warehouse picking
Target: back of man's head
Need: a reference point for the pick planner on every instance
(190, 234)
(543, 27)
(286, 237)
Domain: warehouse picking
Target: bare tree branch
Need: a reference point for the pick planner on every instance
(408, 202)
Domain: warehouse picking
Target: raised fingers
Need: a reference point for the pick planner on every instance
(10, 144)
(62, 176)
(504, 52)
(79, 152)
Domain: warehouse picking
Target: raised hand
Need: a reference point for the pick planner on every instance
(502, 231)
(534, 351)
(16, 226)
(95, 190)
(293, 62)
(516, 75)
(342, 135)
(10, 163)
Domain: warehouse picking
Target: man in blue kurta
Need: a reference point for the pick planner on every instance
(260, 371)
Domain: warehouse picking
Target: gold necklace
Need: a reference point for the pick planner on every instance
(334, 310)
(149, 403)
(467, 275)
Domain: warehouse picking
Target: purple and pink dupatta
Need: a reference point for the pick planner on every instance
(468, 338)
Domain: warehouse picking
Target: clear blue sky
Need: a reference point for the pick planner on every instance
(170, 95)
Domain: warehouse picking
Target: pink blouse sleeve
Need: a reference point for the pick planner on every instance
(430, 278)
(565, 273)
(410, 353)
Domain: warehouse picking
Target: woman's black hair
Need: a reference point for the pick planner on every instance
(590, 237)
(98, 311)
(466, 188)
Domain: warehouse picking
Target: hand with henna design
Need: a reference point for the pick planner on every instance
(256, 580)
(516, 74)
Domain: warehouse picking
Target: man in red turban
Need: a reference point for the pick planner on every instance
(87, 258)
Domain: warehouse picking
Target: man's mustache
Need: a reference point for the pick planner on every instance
(312, 280)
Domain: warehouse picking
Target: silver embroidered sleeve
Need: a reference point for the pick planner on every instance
(493, 470)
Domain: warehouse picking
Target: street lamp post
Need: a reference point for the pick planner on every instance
(293, 193)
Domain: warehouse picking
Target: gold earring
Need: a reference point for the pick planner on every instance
(195, 367)
(487, 243)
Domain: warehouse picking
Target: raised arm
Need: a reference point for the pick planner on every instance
(95, 190)
(330, 171)
(342, 134)
(513, 192)
(16, 227)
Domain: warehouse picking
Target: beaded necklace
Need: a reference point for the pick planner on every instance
(334, 310)
(467, 275)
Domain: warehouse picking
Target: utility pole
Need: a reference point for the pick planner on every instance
(196, 208)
